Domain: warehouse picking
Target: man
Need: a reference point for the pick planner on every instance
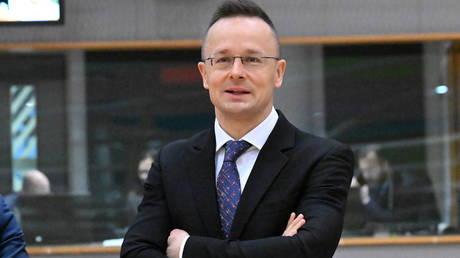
(11, 242)
(35, 183)
(134, 196)
(394, 196)
(196, 205)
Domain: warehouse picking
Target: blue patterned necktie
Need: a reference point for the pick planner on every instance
(228, 184)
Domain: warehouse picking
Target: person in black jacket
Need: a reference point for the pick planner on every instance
(282, 174)
(12, 244)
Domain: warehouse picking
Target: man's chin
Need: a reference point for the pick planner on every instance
(236, 109)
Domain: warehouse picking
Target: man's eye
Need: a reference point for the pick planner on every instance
(222, 59)
(252, 59)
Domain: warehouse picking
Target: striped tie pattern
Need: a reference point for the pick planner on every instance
(228, 184)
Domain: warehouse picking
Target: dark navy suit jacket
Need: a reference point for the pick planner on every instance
(11, 243)
(294, 172)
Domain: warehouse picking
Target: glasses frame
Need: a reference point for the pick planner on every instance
(211, 59)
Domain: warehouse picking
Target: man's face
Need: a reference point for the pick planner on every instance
(237, 91)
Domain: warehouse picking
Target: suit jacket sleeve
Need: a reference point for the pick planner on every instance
(11, 242)
(148, 235)
(322, 202)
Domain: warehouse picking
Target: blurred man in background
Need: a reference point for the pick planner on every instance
(394, 195)
(34, 183)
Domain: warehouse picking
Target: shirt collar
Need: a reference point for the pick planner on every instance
(256, 137)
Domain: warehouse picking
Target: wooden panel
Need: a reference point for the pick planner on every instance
(79, 249)
(351, 241)
(196, 43)
(454, 124)
(419, 240)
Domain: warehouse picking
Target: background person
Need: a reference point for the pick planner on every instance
(390, 195)
(34, 182)
(134, 196)
(12, 244)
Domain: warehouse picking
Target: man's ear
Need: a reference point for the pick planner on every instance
(202, 69)
(279, 73)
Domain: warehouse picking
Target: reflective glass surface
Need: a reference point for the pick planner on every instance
(99, 117)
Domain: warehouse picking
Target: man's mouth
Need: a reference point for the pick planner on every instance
(237, 92)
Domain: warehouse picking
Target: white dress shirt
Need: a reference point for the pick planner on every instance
(256, 137)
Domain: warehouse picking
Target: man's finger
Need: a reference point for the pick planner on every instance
(294, 224)
(298, 222)
(291, 218)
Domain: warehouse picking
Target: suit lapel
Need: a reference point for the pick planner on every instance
(201, 175)
(268, 165)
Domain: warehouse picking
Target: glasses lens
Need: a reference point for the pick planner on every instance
(249, 62)
(222, 62)
(253, 61)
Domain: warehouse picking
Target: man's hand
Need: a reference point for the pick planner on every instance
(364, 194)
(294, 224)
(354, 182)
(176, 236)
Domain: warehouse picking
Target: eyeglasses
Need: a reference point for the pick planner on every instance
(249, 62)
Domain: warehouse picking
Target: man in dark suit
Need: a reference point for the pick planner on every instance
(202, 200)
(11, 242)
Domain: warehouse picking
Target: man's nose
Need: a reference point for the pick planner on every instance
(237, 69)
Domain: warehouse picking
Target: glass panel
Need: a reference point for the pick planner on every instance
(102, 116)
(23, 132)
(382, 100)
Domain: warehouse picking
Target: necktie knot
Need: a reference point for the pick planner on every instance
(233, 149)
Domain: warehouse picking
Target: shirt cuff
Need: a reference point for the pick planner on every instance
(181, 251)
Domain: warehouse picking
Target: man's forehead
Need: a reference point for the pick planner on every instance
(238, 27)
(226, 51)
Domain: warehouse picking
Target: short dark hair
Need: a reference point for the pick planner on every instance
(381, 153)
(245, 8)
(232, 8)
(362, 152)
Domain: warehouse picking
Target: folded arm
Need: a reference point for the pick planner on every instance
(177, 236)
(322, 202)
(147, 236)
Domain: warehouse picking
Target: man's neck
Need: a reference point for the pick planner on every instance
(238, 126)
